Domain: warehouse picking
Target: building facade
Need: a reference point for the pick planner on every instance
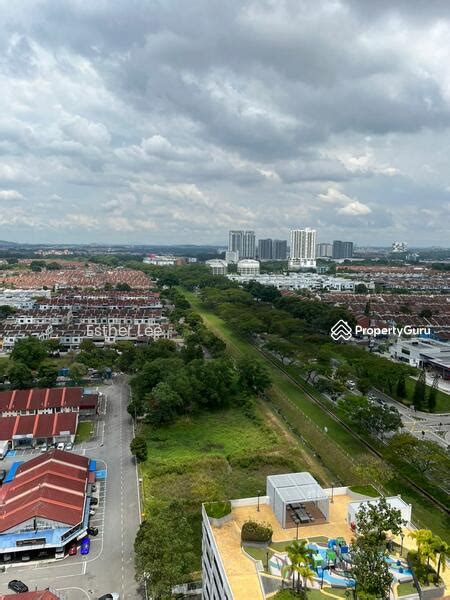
(248, 267)
(243, 242)
(279, 250)
(303, 249)
(324, 250)
(265, 249)
(342, 249)
(217, 266)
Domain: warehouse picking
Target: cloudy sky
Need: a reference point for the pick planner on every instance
(165, 121)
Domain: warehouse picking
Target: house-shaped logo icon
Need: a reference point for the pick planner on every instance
(341, 331)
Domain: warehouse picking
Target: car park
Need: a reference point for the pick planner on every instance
(43, 448)
(18, 586)
(91, 512)
(92, 531)
(2, 475)
(69, 446)
(73, 549)
(60, 446)
(59, 553)
(85, 546)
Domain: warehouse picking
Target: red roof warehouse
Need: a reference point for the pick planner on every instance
(50, 487)
(38, 400)
(43, 415)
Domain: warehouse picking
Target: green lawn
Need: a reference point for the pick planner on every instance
(331, 443)
(83, 431)
(442, 399)
(212, 456)
(366, 490)
(405, 589)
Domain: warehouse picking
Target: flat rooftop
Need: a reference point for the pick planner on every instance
(241, 570)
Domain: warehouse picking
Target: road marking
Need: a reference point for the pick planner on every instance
(74, 588)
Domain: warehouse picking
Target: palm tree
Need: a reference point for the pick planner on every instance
(443, 550)
(422, 537)
(307, 574)
(300, 556)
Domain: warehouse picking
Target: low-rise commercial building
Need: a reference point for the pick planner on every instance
(44, 505)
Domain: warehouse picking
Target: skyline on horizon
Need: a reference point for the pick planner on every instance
(124, 123)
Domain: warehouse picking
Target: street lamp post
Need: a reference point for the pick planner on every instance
(267, 560)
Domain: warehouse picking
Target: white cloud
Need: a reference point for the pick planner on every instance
(355, 208)
(10, 195)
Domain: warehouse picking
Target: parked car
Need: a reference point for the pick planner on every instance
(69, 446)
(94, 487)
(7, 557)
(111, 596)
(59, 553)
(85, 545)
(2, 475)
(44, 448)
(26, 557)
(91, 512)
(92, 531)
(60, 446)
(18, 586)
(94, 501)
(73, 549)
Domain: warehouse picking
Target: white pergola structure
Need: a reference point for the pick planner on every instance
(295, 489)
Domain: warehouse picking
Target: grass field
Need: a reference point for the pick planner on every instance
(331, 443)
(83, 432)
(213, 456)
(405, 589)
(442, 399)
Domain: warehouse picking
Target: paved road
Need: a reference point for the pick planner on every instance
(109, 567)
(436, 427)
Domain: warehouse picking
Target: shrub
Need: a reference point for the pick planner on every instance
(217, 510)
(252, 531)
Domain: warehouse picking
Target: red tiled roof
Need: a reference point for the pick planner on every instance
(39, 595)
(50, 486)
(36, 399)
(38, 426)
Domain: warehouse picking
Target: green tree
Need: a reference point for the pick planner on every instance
(77, 371)
(164, 404)
(419, 391)
(164, 553)
(138, 448)
(30, 351)
(401, 386)
(370, 568)
(361, 288)
(20, 376)
(254, 376)
(47, 375)
(123, 287)
(426, 456)
(300, 557)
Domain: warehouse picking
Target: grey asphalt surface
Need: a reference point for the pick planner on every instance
(109, 567)
(436, 427)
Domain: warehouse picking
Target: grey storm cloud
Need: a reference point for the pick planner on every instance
(146, 121)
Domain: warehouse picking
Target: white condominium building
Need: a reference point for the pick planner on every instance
(303, 249)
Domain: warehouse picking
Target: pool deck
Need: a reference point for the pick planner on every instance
(241, 570)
